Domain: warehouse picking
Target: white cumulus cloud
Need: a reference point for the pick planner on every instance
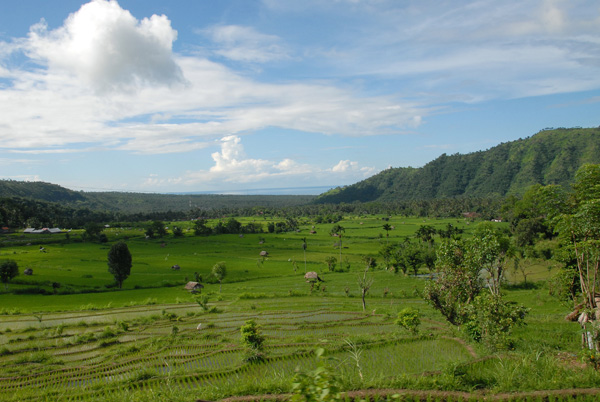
(106, 47)
(232, 165)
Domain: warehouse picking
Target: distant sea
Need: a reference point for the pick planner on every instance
(316, 190)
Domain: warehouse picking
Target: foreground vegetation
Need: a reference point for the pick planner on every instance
(90, 341)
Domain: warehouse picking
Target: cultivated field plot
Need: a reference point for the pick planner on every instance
(85, 356)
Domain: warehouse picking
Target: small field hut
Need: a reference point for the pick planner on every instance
(193, 287)
(312, 276)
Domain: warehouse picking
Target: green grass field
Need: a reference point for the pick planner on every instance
(93, 342)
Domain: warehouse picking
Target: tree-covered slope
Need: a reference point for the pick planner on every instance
(549, 157)
(135, 203)
(39, 191)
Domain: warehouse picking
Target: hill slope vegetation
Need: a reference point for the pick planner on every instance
(132, 203)
(549, 157)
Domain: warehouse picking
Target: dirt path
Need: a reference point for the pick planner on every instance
(465, 344)
(370, 395)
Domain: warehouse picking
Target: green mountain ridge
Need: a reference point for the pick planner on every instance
(548, 157)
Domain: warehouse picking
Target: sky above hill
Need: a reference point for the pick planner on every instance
(190, 95)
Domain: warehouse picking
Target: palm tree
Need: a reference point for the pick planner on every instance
(387, 228)
(337, 231)
(304, 249)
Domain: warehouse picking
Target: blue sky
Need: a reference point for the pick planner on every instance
(190, 95)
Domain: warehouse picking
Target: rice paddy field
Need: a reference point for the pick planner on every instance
(152, 341)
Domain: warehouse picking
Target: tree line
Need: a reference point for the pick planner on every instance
(18, 212)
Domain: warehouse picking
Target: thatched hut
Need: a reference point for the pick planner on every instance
(312, 277)
(176, 267)
(28, 271)
(193, 287)
(264, 254)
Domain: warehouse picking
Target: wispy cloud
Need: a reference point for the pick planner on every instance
(107, 79)
(467, 50)
(243, 43)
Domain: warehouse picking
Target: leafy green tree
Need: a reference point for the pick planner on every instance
(386, 252)
(528, 230)
(200, 228)
(578, 223)
(451, 231)
(457, 282)
(177, 231)
(158, 227)
(425, 233)
(219, 271)
(93, 230)
(119, 262)
(488, 251)
(233, 226)
(457, 292)
(490, 320)
(410, 256)
(149, 232)
(8, 270)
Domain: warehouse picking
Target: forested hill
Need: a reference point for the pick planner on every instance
(136, 203)
(549, 157)
(39, 191)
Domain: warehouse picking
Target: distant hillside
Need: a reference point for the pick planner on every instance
(39, 191)
(140, 202)
(133, 203)
(549, 157)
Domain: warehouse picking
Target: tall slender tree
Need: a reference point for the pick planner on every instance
(578, 223)
(365, 281)
(304, 249)
(387, 228)
(219, 271)
(338, 230)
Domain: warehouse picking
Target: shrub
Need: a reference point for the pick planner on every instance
(202, 301)
(35, 290)
(108, 332)
(253, 342)
(409, 319)
(250, 296)
(491, 319)
(319, 385)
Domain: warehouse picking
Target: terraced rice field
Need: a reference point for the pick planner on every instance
(96, 352)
